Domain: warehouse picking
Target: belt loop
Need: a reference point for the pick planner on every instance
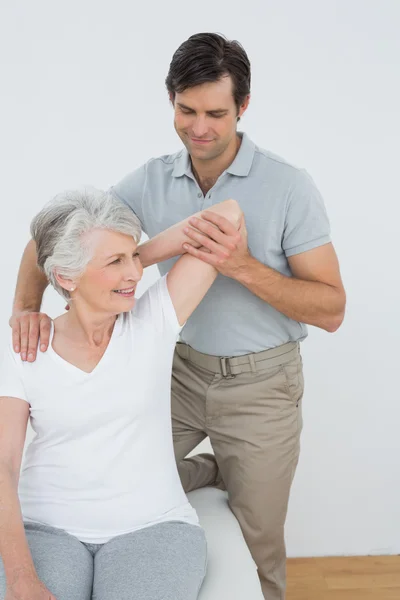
(226, 368)
(252, 364)
(223, 366)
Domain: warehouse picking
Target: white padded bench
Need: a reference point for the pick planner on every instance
(231, 572)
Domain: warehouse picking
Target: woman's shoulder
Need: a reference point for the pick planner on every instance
(13, 372)
(155, 306)
(151, 298)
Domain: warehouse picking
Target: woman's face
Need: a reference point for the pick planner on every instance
(109, 282)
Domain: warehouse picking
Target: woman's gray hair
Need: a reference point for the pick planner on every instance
(59, 228)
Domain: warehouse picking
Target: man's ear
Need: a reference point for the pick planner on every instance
(244, 106)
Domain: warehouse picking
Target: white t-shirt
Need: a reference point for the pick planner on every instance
(102, 462)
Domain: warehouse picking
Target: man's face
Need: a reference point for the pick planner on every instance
(206, 118)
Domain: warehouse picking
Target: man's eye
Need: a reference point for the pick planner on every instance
(116, 261)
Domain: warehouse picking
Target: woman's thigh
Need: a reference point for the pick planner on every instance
(163, 562)
(61, 561)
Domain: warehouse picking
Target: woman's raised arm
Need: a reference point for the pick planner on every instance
(190, 278)
(168, 243)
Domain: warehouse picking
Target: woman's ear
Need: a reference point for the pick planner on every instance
(67, 284)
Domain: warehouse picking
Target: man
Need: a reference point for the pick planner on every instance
(237, 373)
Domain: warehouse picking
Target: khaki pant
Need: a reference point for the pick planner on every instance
(250, 407)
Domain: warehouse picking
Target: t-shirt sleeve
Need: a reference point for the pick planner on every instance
(307, 224)
(156, 305)
(11, 375)
(130, 190)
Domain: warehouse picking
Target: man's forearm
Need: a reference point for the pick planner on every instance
(31, 282)
(308, 302)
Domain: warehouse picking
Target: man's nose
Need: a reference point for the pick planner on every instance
(200, 127)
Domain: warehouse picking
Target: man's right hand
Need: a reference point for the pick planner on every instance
(27, 329)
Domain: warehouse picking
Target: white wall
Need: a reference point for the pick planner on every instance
(83, 101)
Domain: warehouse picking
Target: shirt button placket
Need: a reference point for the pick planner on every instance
(207, 200)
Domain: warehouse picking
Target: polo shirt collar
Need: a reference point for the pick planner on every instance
(182, 164)
(244, 158)
(241, 165)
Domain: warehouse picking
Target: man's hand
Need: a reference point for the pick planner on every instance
(223, 245)
(27, 329)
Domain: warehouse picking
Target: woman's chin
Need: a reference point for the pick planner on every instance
(115, 305)
(126, 304)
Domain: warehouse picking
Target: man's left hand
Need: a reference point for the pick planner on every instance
(223, 245)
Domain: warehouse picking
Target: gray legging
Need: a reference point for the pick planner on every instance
(162, 562)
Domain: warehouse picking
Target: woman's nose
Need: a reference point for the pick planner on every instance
(135, 271)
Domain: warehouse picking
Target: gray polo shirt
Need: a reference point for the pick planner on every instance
(285, 215)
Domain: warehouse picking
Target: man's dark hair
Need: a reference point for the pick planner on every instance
(207, 57)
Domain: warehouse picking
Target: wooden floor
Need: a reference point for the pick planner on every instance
(355, 578)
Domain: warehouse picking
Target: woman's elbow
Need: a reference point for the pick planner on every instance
(234, 213)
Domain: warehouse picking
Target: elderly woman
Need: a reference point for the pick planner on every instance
(98, 510)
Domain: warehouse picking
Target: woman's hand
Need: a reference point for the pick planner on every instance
(28, 587)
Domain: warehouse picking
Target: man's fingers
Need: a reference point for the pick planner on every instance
(33, 339)
(221, 222)
(216, 234)
(26, 330)
(16, 336)
(44, 332)
(24, 335)
(205, 241)
(229, 236)
(203, 255)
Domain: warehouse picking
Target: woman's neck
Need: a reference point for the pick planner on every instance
(85, 327)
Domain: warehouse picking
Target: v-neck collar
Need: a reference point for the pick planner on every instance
(73, 368)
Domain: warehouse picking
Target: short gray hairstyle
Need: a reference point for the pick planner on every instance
(58, 230)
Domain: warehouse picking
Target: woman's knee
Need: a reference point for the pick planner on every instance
(163, 562)
(61, 561)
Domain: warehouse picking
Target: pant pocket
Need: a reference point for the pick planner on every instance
(294, 380)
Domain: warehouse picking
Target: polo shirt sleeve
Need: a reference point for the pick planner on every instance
(306, 224)
(130, 190)
(11, 375)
